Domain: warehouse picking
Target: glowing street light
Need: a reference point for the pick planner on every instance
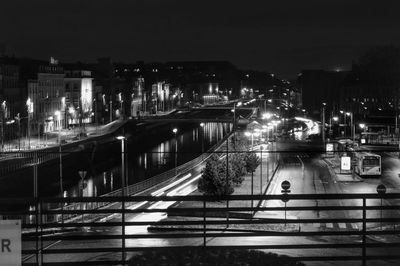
(29, 106)
(175, 130)
(202, 138)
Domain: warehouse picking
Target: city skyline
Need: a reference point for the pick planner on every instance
(283, 37)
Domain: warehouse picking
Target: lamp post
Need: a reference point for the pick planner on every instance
(323, 123)
(29, 105)
(175, 130)
(261, 150)
(123, 188)
(335, 119)
(110, 110)
(202, 138)
(58, 115)
(18, 118)
(3, 118)
(123, 178)
(351, 124)
(344, 122)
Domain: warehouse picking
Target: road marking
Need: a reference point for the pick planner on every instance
(173, 192)
(162, 190)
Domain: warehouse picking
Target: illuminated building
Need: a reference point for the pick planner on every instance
(79, 96)
(138, 97)
(46, 93)
(161, 97)
(212, 96)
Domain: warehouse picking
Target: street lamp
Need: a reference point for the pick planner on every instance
(351, 124)
(122, 139)
(202, 138)
(261, 150)
(123, 178)
(175, 130)
(3, 113)
(58, 115)
(29, 106)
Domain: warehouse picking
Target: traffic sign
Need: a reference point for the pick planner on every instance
(381, 189)
(285, 185)
(82, 174)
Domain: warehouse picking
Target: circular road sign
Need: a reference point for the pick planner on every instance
(285, 185)
(381, 189)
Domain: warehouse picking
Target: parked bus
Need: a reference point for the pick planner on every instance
(367, 164)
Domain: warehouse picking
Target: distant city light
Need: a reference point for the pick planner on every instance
(266, 116)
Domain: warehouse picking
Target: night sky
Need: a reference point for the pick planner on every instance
(282, 36)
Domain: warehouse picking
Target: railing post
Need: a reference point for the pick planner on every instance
(364, 232)
(41, 233)
(227, 213)
(37, 229)
(123, 230)
(204, 222)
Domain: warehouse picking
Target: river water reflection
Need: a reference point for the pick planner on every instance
(142, 165)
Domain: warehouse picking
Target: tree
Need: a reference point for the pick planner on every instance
(238, 164)
(251, 162)
(215, 180)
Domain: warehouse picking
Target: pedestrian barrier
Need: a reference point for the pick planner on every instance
(124, 234)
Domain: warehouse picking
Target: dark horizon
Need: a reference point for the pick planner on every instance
(280, 37)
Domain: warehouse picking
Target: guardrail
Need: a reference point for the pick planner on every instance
(114, 245)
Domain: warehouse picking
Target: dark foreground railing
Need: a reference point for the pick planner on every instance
(318, 227)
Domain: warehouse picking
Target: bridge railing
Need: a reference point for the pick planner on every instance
(286, 224)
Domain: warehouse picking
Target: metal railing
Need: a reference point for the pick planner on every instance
(112, 240)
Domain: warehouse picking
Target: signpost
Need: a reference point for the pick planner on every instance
(10, 242)
(285, 185)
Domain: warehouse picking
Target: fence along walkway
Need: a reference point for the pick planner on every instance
(210, 232)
